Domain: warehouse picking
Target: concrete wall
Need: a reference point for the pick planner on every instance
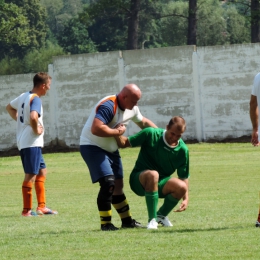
(226, 76)
(209, 86)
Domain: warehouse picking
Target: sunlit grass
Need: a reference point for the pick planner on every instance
(218, 224)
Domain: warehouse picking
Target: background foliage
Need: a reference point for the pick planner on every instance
(29, 28)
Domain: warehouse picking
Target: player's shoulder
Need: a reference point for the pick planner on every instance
(107, 99)
(22, 97)
(257, 75)
(183, 144)
(24, 94)
(107, 103)
(135, 109)
(35, 99)
(257, 79)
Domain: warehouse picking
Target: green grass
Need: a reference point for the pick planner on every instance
(218, 224)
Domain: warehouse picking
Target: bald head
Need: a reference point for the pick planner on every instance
(129, 96)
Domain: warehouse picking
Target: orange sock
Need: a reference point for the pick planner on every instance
(27, 196)
(40, 190)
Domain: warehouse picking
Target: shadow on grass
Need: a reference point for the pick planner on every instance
(192, 230)
(160, 230)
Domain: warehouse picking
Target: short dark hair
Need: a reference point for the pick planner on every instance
(40, 78)
(180, 121)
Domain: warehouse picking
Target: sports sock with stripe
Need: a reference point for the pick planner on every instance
(104, 207)
(122, 207)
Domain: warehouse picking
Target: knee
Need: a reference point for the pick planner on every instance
(182, 188)
(107, 186)
(149, 180)
(153, 176)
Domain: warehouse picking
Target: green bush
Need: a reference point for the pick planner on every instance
(34, 61)
(38, 60)
(9, 66)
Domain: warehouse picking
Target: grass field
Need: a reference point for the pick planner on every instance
(218, 224)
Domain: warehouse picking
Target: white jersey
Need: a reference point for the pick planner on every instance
(24, 135)
(120, 117)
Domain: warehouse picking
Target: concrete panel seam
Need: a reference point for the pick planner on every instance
(197, 97)
(121, 71)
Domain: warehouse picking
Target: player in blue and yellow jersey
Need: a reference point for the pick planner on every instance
(162, 152)
(99, 150)
(27, 111)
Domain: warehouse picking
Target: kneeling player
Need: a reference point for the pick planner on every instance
(162, 152)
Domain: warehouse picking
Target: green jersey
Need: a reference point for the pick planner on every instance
(156, 154)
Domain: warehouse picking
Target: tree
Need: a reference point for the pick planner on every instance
(59, 12)
(238, 26)
(39, 59)
(36, 16)
(34, 61)
(133, 24)
(122, 19)
(53, 9)
(251, 11)
(255, 20)
(74, 38)
(192, 23)
(107, 33)
(14, 29)
(174, 28)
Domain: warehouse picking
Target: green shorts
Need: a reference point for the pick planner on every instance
(138, 189)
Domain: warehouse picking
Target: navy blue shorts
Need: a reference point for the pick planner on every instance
(32, 160)
(101, 163)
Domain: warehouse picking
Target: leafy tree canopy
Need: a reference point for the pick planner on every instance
(74, 38)
(14, 28)
(36, 28)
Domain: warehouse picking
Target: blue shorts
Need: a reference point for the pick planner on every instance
(32, 160)
(101, 163)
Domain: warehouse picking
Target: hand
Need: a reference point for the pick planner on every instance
(182, 207)
(121, 128)
(39, 130)
(254, 139)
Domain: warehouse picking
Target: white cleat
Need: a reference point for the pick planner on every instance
(164, 221)
(152, 224)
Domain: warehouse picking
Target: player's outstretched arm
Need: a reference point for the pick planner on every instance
(146, 123)
(122, 141)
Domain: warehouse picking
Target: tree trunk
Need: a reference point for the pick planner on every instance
(192, 23)
(133, 24)
(255, 19)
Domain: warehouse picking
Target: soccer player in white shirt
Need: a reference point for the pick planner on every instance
(27, 111)
(99, 150)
